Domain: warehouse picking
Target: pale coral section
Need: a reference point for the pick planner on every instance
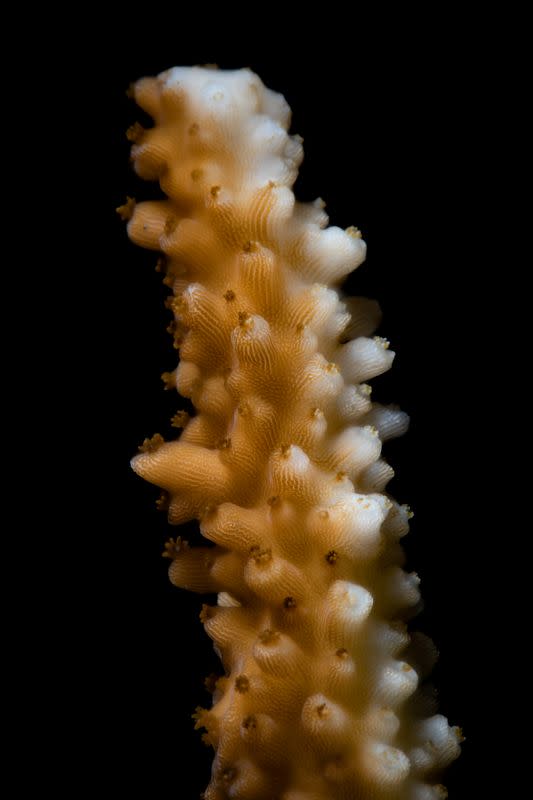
(282, 462)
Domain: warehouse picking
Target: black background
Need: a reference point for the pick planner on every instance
(391, 130)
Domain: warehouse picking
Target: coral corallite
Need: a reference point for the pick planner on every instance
(281, 463)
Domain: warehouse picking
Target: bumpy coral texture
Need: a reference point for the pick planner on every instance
(281, 463)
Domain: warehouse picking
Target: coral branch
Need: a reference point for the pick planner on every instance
(281, 465)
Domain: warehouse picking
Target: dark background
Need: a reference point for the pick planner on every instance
(392, 138)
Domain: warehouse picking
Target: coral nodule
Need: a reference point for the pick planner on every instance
(281, 464)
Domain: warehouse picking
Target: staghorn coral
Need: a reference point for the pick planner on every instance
(281, 464)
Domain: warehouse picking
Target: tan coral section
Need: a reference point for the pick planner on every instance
(281, 463)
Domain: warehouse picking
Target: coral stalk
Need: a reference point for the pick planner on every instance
(281, 465)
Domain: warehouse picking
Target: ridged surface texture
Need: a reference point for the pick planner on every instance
(281, 463)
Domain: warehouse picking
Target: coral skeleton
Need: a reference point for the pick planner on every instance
(281, 464)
